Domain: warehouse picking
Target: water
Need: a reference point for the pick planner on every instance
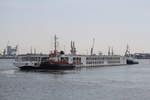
(99, 83)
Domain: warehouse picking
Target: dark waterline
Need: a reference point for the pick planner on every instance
(130, 82)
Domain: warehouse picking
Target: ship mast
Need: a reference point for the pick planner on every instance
(92, 46)
(73, 48)
(55, 45)
(108, 51)
(127, 53)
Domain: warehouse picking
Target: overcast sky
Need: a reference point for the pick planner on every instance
(114, 23)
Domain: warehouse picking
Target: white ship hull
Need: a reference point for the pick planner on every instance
(96, 60)
(76, 60)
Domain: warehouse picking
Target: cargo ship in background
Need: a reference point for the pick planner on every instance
(61, 61)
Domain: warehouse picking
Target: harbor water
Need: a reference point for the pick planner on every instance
(128, 82)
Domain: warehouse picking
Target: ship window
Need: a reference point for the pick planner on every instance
(77, 60)
(64, 59)
(44, 59)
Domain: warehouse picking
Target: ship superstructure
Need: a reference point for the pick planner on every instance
(93, 60)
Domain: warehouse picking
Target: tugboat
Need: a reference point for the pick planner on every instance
(56, 65)
(130, 59)
(43, 62)
(30, 62)
(48, 62)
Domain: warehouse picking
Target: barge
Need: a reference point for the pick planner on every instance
(61, 61)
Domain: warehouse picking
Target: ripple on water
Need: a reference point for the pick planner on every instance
(104, 83)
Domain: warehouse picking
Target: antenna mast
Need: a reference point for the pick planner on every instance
(73, 48)
(92, 46)
(55, 45)
(109, 51)
(127, 53)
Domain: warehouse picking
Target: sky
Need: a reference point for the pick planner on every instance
(113, 23)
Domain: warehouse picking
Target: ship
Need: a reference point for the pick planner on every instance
(130, 59)
(64, 62)
(61, 61)
(40, 61)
